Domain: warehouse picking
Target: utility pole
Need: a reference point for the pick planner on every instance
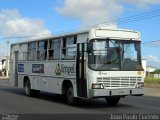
(7, 42)
(7, 58)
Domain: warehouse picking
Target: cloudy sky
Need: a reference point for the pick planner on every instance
(23, 18)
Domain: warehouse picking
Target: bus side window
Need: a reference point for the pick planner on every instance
(69, 48)
(23, 51)
(63, 56)
(31, 51)
(42, 50)
(54, 49)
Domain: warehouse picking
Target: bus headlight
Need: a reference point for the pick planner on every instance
(97, 86)
(140, 84)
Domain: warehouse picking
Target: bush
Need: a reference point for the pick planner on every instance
(152, 80)
(157, 71)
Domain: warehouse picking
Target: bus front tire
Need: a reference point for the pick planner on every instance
(69, 94)
(30, 92)
(112, 101)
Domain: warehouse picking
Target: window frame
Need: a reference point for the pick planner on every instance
(42, 50)
(66, 47)
(32, 50)
(51, 48)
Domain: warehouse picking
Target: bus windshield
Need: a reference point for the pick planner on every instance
(114, 55)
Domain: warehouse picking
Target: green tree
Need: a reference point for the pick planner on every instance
(157, 71)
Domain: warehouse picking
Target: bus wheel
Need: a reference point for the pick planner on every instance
(28, 88)
(69, 94)
(112, 101)
(29, 91)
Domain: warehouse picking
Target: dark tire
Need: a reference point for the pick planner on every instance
(36, 93)
(112, 101)
(69, 94)
(29, 91)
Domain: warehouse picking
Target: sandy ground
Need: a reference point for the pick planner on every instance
(151, 91)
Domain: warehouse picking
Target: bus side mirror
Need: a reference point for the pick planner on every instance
(89, 48)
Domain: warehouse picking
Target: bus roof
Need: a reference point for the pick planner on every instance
(71, 34)
(51, 37)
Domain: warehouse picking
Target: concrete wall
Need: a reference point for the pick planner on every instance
(156, 75)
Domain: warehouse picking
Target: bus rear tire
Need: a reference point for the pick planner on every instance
(112, 101)
(30, 92)
(69, 95)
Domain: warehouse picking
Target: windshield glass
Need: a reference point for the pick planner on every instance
(114, 55)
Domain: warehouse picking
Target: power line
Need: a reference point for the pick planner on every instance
(15, 37)
(152, 43)
(137, 17)
(140, 16)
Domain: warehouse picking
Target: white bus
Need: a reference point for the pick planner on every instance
(95, 63)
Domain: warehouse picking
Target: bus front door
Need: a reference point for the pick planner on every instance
(15, 68)
(81, 71)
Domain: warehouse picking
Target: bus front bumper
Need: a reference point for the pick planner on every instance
(115, 92)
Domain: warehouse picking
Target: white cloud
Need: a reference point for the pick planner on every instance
(141, 3)
(13, 24)
(98, 11)
(90, 11)
(153, 60)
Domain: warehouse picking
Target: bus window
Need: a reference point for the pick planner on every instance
(54, 51)
(42, 50)
(31, 51)
(23, 51)
(69, 48)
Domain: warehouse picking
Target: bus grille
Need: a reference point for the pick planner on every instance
(119, 82)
